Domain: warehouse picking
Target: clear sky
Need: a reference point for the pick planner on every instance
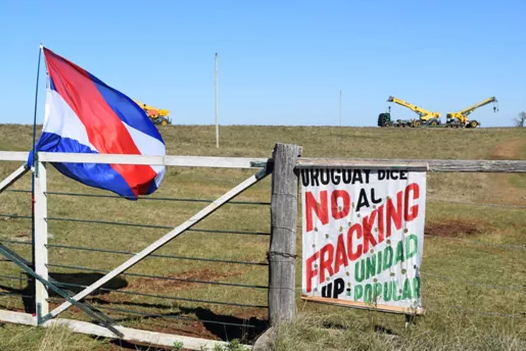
(280, 62)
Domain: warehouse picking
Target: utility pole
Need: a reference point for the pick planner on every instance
(340, 108)
(217, 103)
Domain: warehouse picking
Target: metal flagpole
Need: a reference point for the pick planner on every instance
(34, 160)
(217, 107)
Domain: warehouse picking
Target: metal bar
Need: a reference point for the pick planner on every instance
(142, 197)
(15, 294)
(7, 253)
(39, 306)
(19, 242)
(13, 277)
(160, 277)
(13, 177)
(19, 191)
(165, 239)
(153, 226)
(164, 297)
(9, 215)
(156, 255)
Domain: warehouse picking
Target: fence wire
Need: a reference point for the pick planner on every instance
(112, 251)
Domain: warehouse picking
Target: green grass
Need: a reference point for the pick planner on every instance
(15, 338)
(456, 290)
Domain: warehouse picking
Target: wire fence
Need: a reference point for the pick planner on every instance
(149, 294)
(170, 297)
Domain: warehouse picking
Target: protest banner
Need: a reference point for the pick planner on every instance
(363, 237)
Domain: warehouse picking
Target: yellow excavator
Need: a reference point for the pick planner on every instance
(460, 118)
(158, 116)
(424, 116)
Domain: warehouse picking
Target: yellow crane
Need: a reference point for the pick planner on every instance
(425, 116)
(157, 115)
(460, 118)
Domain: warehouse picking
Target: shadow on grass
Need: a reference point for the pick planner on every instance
(224, 327)
(83, 279)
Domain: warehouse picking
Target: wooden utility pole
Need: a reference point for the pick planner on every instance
(217, 102)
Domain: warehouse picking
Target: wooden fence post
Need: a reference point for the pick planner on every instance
(282, 253)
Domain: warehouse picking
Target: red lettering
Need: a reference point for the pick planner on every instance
(355, 228)
(368, 237)
(344, 195)
(320, 209)
(411, 213)
(381, 232)
(326, 261)
(311, 271)
(341, 255)
(394, 214)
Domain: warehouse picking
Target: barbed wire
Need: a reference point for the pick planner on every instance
(477, 203)
(476, 242)
(472, 283)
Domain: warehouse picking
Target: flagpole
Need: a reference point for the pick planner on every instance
(36, 101)
(33, 161)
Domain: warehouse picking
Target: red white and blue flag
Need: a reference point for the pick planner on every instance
(84, 115)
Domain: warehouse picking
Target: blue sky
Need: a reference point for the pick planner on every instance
(280, 62)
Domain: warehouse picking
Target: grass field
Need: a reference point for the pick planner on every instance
(473, 293)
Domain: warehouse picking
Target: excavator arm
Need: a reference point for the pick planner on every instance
(424, 115)
(462, 115)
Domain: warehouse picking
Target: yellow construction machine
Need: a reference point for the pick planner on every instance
(460, 118)
(425, 117)
(158, 116)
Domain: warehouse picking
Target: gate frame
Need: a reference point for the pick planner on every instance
(43, 317)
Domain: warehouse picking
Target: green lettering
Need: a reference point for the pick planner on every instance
(358, 292)
(387, 292)
(407, 293)
(399, 252)
(377, 290)
(411, 246)
(359, 271)
(368, 292)
(396, 297)
(416, 287)
(379, 262)
(371, 266)
(388, 257)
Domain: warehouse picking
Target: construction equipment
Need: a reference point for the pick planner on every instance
(158, 116)
(460, 118)
(425, 117)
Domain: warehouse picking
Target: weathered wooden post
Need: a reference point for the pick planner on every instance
(282, 253)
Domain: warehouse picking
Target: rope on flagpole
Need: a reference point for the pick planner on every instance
(34, 156)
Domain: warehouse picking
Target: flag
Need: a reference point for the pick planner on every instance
(85, 115)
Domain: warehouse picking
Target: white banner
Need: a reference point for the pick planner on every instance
(363, 236)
